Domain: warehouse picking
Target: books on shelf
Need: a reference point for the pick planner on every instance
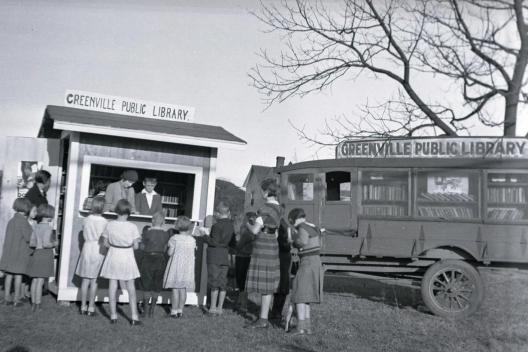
(446, 197)
(385, 192)
(505, 213)
(446, 212)
(385, 210)
(170, 199)
(171, 212)
(507, 194)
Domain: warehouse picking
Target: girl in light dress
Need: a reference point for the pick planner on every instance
(91, 257)
(121, 237)
(43, 240)
(179, 274)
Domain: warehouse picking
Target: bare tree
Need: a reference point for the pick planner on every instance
(480, 44)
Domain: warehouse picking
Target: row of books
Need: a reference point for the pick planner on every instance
(446, 212)
(507, 194)
(505, 214)
(170, 212)
(446, 197)
(384, 192)
(170, 199)
(385, 211)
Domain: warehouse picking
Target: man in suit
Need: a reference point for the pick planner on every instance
(148, 201)
(121, 189)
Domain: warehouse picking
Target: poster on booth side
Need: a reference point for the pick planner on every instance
(26, 176)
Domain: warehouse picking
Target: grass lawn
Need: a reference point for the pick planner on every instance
(357, 315)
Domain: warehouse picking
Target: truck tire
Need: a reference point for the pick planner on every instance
(452, 288)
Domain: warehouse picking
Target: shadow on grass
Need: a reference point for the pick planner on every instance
(385, 290)
(18, 349)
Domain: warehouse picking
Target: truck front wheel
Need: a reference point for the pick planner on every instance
(452, 288)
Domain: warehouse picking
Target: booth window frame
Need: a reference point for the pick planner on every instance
(88, 160)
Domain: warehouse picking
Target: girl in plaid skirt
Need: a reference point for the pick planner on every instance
(264, 269)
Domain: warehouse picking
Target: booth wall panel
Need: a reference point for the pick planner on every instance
(13, 151)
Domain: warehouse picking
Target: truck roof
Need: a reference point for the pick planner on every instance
(401, 162)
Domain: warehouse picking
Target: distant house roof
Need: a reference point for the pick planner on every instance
(258, 171)
(59, 118)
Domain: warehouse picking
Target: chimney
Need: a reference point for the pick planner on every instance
(279, 161)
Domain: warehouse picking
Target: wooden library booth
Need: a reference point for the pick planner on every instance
(93, 148)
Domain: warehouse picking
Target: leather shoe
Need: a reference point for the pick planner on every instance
(135, 322)
(258, 324)
(113, 321)
(141, 308)
(90, 314)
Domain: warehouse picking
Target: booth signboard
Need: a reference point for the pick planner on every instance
(128, 106)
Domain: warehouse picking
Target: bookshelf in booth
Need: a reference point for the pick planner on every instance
(385, 193)
(507, 196)
(175, 188)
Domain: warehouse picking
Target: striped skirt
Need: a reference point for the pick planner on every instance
(264, 268)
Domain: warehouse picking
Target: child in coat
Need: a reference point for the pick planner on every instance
(154, 241)
(221, 236)
(179, 275)
(92, 255)
(16, 251)
(121, 237)
(243, 257)
(43, 240)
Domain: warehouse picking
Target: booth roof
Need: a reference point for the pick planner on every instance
(59, 118)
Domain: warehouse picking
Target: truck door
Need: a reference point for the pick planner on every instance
(338, 209)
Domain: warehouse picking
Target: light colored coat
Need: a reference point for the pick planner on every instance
(115, 192)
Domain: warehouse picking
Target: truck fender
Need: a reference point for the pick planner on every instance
(447, 252)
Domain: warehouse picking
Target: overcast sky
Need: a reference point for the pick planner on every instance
(178, 52)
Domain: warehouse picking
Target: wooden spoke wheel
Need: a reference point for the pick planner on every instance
(452, 288)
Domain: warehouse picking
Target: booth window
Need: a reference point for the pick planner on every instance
(338, 186)
(385, 193)
(300, 187)
(507, 196)
(176, 189)
(447, 194)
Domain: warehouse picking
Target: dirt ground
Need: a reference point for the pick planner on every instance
(358, 314)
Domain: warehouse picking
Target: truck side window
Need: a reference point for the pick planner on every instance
(507, 196)
(385, 193)
(338, 186)
(447, 194)
(300, 187)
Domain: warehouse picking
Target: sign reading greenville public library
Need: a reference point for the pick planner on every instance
(469, 147)
(128, 106)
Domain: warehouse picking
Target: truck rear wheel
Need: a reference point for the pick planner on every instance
(452, 288)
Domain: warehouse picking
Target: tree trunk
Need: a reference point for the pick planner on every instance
(510, 115)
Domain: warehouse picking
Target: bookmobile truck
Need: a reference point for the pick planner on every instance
(429, 208)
